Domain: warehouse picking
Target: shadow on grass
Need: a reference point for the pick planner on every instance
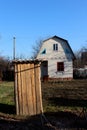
(7, 109)
(68, 102)
(52, 120)
(47, 121)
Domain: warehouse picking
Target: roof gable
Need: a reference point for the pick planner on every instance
(66, 41)
(55, 37)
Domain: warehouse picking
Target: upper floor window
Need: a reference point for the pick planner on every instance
(44, 51)
(55, 47)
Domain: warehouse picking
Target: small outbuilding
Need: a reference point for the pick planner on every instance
(28, 87)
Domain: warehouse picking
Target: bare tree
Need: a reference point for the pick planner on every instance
(79, 62)
(36, 48)
(4, 65)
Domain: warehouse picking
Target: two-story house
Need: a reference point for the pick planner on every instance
(57, 59)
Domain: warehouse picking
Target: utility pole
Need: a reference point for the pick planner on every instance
(14, 48)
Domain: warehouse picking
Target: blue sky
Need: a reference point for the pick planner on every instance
(31, 20)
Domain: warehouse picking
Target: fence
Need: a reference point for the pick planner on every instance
(28, 88)
(80, 73)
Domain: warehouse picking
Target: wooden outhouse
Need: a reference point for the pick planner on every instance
(28, 87)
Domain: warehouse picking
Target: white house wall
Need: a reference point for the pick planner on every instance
(53, 73)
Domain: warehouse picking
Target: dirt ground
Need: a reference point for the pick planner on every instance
(46, 121)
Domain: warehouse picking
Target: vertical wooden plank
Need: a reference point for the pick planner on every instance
(39, 86)
(33, 88)
(30, 102)
(37, 89)
(23, 88)
(39, 108)
(26, 78)
(15, 89)
(20, 90)
(28, 87)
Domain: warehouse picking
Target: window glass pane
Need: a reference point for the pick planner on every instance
(44, 51)
(60, 66)
(55, 47)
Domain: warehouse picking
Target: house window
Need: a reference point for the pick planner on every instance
(55, 47)
(60, 66)
(44, 51)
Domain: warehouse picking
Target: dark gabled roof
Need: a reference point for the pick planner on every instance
(62, 40)
(59, 38)
(53, 37)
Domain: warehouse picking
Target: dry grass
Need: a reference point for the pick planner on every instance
(62, 103)
(65, 95)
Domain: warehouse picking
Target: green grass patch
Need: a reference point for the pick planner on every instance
(7, 93)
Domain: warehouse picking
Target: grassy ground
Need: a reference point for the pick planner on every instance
(65, 96)
(7, 93)
(63, 103)
(57, 96)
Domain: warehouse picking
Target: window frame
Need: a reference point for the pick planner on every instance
(43, 51)
(60, 66)
(55, 47)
